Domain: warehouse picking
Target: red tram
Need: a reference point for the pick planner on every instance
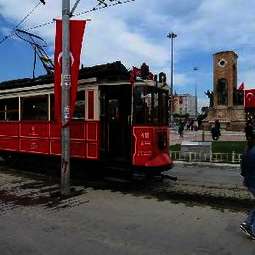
(113, 123)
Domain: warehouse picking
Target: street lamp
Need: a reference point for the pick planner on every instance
(171, 36)
(195, 69)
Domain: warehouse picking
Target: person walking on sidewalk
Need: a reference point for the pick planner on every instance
(248, 172)
(181, 129)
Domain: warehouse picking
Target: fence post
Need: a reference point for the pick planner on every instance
(190, 157)
(233, 157)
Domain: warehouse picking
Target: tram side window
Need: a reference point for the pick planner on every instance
(79, 112)
(9, 109)
(34, 108)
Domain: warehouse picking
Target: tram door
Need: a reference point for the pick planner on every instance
(115, 119)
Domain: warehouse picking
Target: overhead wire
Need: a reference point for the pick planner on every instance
(21, 22)
(53, 20)
(81, 13)
(103, 7)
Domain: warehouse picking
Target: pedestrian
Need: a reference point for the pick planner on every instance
(180, 129)
(248, 173)
(217, 126)
(215, 133)
(195, 125)
(248, 129)
(215, 130)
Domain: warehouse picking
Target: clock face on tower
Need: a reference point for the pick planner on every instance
(222, 63)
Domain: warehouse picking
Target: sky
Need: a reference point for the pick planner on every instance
(136, 32)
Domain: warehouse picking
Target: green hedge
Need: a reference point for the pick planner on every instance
(175, 147)
(228, 146)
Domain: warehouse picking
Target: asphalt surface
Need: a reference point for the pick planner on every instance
(211, 184)
(106, 220)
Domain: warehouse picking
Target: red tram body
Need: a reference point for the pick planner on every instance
(113, 121)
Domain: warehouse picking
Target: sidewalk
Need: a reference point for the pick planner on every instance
(197, 136)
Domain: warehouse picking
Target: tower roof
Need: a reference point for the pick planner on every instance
(226, 52)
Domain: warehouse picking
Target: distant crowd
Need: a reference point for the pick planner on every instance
(189, 124)
(192, 125)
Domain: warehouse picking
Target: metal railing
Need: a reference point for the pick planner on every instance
(233, 157)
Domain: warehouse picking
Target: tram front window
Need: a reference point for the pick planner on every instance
(150, 105)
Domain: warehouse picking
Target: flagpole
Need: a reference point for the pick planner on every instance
(65, 102)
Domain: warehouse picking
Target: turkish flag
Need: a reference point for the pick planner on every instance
(249, 98)
(77, 28)
(133, 75)
(241, 87)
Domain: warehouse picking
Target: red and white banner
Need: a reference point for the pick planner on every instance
(249, 98)
(77, 28)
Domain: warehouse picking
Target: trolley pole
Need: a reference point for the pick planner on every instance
(65, 102)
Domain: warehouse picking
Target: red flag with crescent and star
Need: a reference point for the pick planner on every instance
(133, 75)
(249, 98)
(77, 28)
(241, 87)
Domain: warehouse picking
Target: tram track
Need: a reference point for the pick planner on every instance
(23, 187)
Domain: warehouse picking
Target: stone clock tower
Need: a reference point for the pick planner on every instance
(224, 78)
(225, 107)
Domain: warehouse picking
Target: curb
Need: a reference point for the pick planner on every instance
(207, 164)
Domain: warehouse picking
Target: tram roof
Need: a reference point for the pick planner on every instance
(107, 72)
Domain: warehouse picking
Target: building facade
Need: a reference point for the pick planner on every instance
(185, 104)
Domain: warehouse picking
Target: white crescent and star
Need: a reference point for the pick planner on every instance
(249, 96)
(60, 57)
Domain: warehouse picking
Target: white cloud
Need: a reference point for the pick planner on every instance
(136, 32)
(109, 41)
(108, 38)
(181, 79)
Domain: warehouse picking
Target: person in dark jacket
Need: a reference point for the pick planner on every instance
(215, 130)
(181, 128)
(248, 130)
(248, 173)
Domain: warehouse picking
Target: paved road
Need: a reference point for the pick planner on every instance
(103, 221)
(223, 175)
(221, 185)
